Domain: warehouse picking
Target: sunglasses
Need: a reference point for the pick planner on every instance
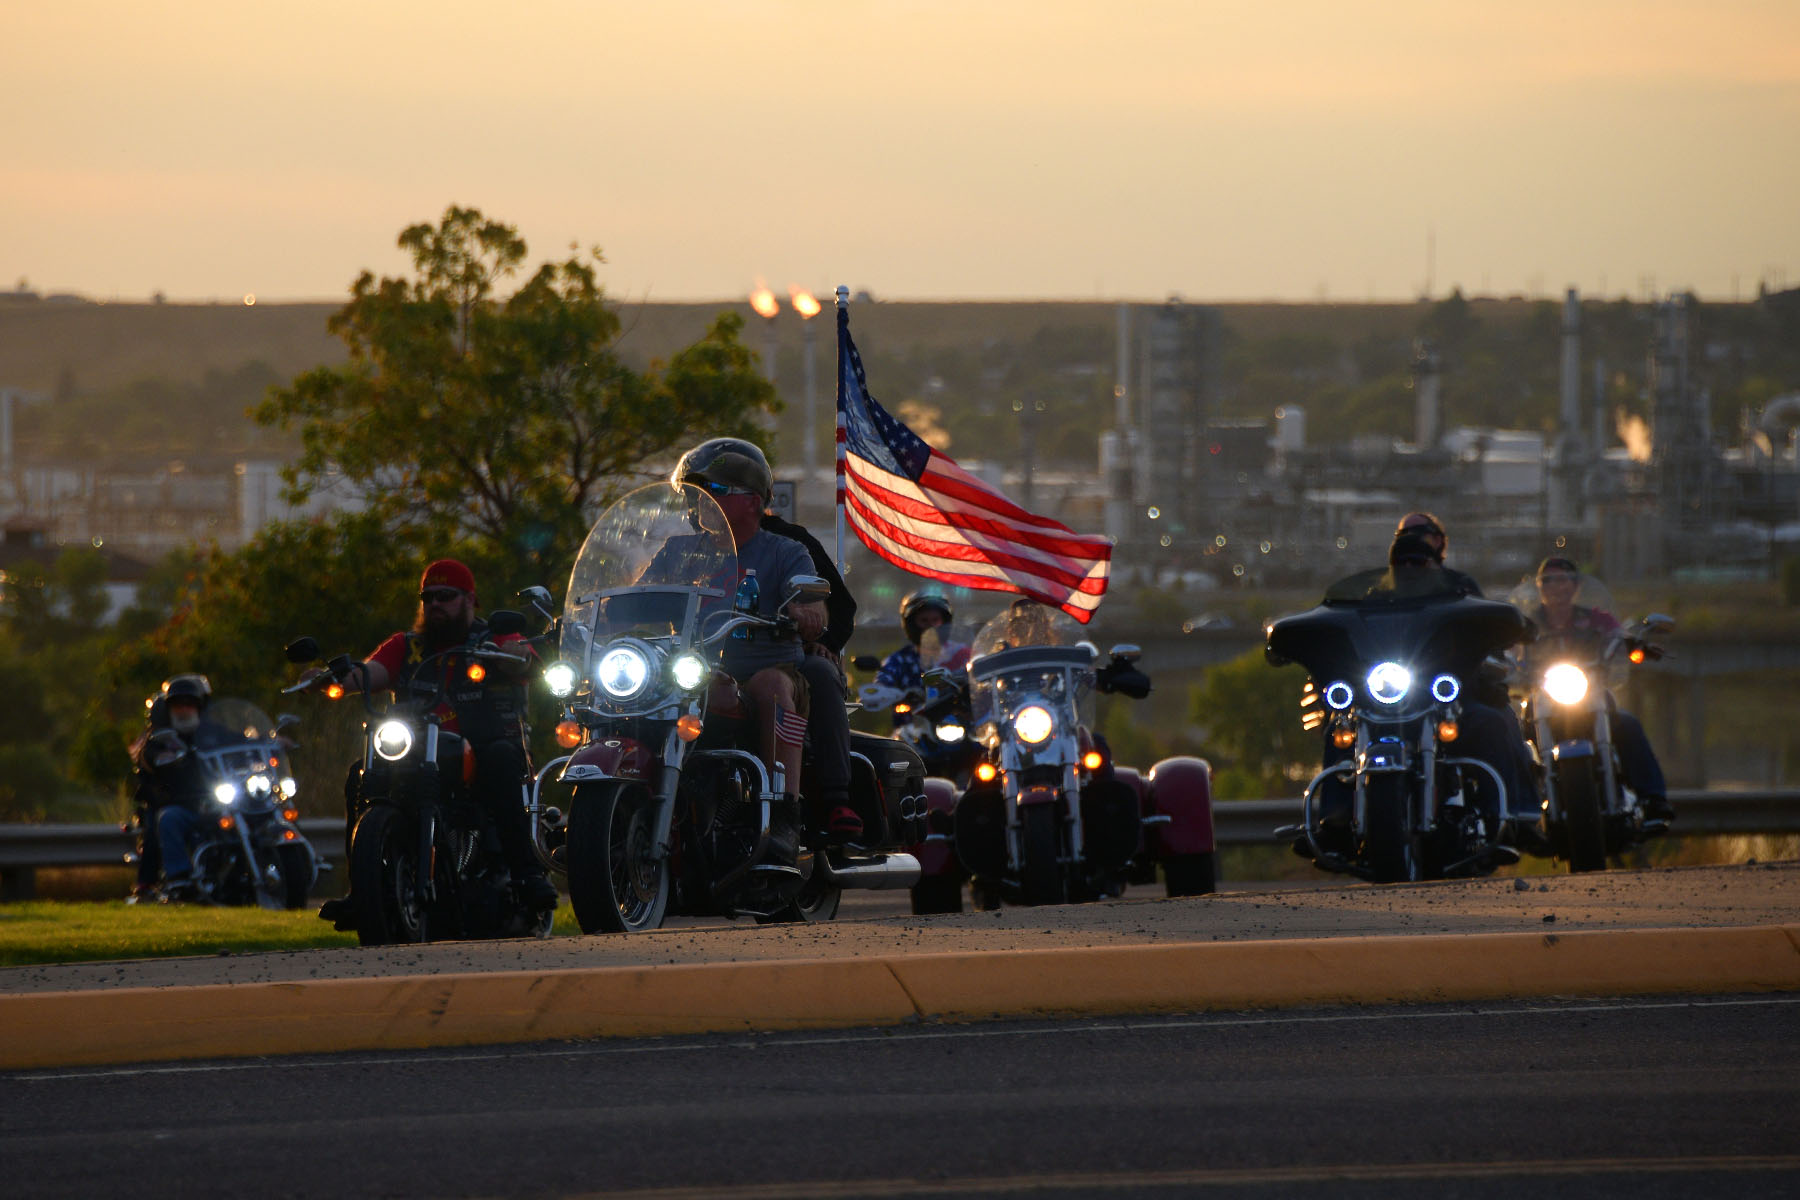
(438, 595)
(725, 489)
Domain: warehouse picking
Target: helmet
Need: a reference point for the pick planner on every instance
(730, 461)
(913, 603)
(189, 687)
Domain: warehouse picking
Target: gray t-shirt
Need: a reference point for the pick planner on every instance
(776, 560)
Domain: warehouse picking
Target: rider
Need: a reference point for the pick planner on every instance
(1432, 530)
(778, 672)
(171, 786)
(491, 718)
(1559, 617)
(919, 610)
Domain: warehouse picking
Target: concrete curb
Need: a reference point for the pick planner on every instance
(409, 1012)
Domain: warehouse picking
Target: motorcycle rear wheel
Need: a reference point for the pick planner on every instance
(938, 894)
(383, 874)
(615, 884)
(1189, 874)
(1388, 847)
(1040, 875)
(1584, 822)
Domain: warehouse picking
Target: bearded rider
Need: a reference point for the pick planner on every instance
(491, 718)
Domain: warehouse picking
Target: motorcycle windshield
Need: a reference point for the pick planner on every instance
(242, 718)
(660, 563)
(237, 741)
(1574, 615)
(1032, 655)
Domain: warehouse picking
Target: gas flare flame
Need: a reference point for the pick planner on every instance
(803, 302)
(1634, 431)
(764, 302)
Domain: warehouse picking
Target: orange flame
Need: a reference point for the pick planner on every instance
(764, 302)
(804, 303)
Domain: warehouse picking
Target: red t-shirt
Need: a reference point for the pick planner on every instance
(392, 654)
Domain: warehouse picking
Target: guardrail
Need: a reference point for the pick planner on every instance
(26, 848)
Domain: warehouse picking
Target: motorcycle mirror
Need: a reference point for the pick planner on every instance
(302, 650)
(1659, 623)
(503, 621)
(866, 662)
(809, 587)
(939, 675)
(1126, 652)
(285, 721)
(539, 599)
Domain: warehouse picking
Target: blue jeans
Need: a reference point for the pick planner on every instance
(176, 829)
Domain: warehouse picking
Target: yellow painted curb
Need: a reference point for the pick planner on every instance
(322, 1016)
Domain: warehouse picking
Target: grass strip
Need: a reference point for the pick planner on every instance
(50, 931)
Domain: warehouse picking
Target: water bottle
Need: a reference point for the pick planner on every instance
(749, 597)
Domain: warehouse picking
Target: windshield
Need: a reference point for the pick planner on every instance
(660, 563)
(242, 718)
(1573, 612)
(1031, 653)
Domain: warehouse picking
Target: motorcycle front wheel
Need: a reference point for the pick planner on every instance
(616, 883)
(1584, 821)
(1388, 846)
(1040, 875)
(383, 879)
(296, 874)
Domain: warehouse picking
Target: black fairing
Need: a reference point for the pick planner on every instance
(1429, 632)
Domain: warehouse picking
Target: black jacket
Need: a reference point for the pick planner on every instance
(840, 606)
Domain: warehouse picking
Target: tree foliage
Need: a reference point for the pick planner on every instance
(1252, 717)
(511, 419)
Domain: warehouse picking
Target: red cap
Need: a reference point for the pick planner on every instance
(447, 572)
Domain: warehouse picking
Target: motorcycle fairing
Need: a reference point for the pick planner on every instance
(1180, 788)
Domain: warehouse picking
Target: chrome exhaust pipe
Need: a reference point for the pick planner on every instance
(879, 872)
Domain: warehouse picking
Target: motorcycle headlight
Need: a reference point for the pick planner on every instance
(1034, 724)
(257, 785)
(950, 731)
(393, 740)
(623, 672)
(225, 793)
(1338, 695)
(1445, 689)
(1389, 682)
(559, 677)
(688, 671)
(288, 786)
(1566, 683)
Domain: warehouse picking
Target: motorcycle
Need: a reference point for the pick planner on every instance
(250, 849)
(1389, 668)
(1590, 811)
(425, 860)
(669, 814)
(1047, 816)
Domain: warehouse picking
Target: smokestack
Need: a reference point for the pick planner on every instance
(1427, 420)
(1571, 364)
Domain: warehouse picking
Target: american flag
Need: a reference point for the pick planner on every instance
(916, 508)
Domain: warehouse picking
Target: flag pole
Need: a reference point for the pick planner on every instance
(843, 326)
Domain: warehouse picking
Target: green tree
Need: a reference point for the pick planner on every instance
(510, 419)
(1252, 717)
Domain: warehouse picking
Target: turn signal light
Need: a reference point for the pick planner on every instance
(334, 691)
(288, 835)
(227, 823)
(687, 727)
(1637, 654)
(1092, 760)
(986, 772)
(568, 734)
(1448, 731)
(1343, 739)
(902, 708)
(290, 814)
(477, 672)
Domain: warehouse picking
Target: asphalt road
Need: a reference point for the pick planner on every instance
(1639, 1098)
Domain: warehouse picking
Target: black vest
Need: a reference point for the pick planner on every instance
(485, 711)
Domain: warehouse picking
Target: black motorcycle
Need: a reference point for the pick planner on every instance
(1389, 667)
(425, 860)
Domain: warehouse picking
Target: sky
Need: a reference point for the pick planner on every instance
(965, 149)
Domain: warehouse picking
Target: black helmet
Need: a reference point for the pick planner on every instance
(191, 687)
(913, 603)
(730, 461)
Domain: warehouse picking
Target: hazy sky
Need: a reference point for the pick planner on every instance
(1127, 149)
